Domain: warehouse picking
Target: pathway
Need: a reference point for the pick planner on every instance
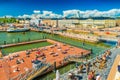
(104, 72)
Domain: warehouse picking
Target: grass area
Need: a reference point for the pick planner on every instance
(8, 20)
(9, 50)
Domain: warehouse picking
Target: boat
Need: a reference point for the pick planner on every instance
(13, 28)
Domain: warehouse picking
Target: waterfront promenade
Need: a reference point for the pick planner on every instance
(22, 43)
(102, 72)
(114, 73)
(87, 37)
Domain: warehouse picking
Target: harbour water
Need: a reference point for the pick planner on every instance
(8, 38)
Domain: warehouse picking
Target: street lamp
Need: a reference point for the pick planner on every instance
(18, 40)
(54, 66)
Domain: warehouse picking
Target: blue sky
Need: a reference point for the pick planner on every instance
(21, 7)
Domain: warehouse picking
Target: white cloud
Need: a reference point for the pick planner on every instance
(24, 16)
(91, 13)
(50, 14)
(71, 13)
(36, 11)
(74, 14)
(44, 14)
(47, 12)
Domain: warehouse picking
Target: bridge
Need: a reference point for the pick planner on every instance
(77, 60)
(34, 74)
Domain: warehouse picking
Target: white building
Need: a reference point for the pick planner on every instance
(87, 23)
(67, 22)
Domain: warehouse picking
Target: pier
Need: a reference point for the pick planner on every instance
(107, 39)
(22, 43)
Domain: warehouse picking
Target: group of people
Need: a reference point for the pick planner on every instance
(71, 76)
(102, 60)
(19, 61)
(99, 63)
(13, 56)
(59, 48)
(38, 53)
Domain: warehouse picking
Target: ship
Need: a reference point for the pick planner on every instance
(13, 28)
